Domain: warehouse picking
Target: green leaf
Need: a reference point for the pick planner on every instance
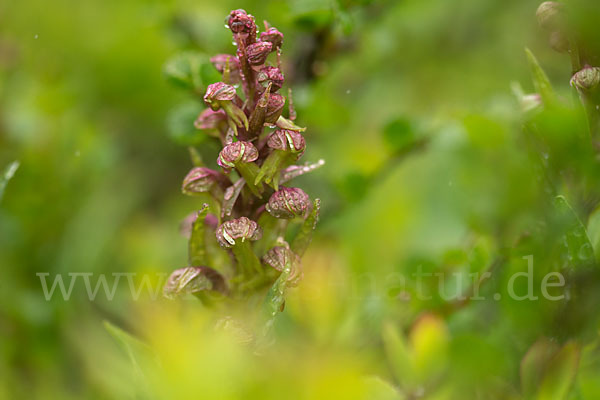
(276, 295)
(9, 172)
(180, 124)
(579, 246)
(540, 79)
(196, 248)
(560, 373)
(304, 237)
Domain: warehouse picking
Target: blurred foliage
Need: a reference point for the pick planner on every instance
(431, 168)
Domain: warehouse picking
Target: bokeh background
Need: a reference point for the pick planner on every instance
(410, 104)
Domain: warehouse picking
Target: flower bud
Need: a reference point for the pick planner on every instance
(191, 280)
(273, 75)
(210, 119)
(586, 79)
(237, 152)
(550, 15)
(273, 36)
(283, 139)
(240, 228)
(220, 62)
(185, 226)
(258, 52)
(274, 108)
(559, 42)
(228, 66)
(200, 180)
(240, 22)
(217, 92)
(282, 257)
(288, 203)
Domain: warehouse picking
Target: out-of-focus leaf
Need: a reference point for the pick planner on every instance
(9, 172)
(540, 79)
(311, 14)
(197, 248)
(593, 231)
(429, 341)
(533, 364)
(560, 373)
(399, 135)
(378, 389)
(398, 354)
(139, 353)
(354, 186)
(180, 124)
(304, 237)
(191, 70)
(578, 244)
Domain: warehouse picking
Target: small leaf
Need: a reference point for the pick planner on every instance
(196, 246)
(230, 196)
(540, 79)
(285, 123)
(560, 373)
(304, 237)
(276, 295)
(9, 172)
(297, 170)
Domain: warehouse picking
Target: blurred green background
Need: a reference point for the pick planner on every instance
(410, 104)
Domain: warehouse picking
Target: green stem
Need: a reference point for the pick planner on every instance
(249, 171)
(196, 246)
(304, 237)
(247, 261)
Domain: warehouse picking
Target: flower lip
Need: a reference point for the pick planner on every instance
(274, 107)
(236, 152)
(241, 228)
(273, 75)
(219, 91)
(210, 119)
(281, 257)
(220, 61)
(199, 180)
(288, 203)
(284, 139)
(193, 280)
(273, 36)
